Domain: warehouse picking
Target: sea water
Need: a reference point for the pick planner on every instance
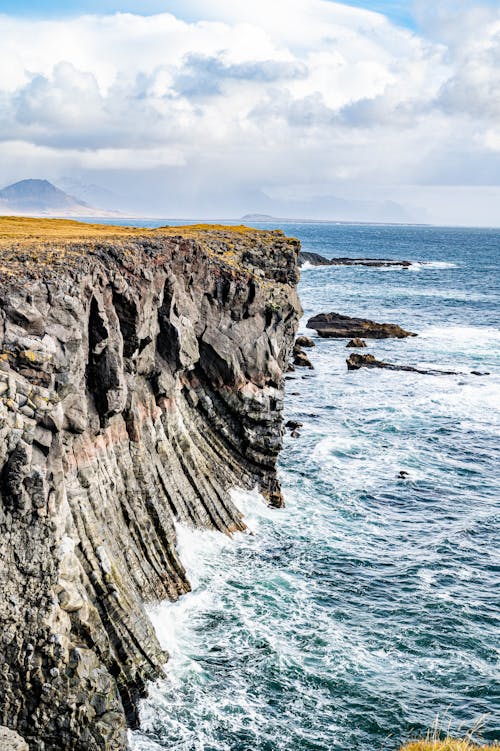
(370, 604)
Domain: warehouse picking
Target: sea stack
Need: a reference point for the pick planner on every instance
(141, 378)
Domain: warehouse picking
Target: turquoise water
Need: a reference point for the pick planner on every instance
(368, 606)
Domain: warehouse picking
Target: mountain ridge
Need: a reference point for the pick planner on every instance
(40, 197)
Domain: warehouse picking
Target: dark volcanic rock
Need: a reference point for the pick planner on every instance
(304, 341)
(357, 361)
(356, 343)
(334, 325)
(317, 260)
(141, 378)
(300, 359)
(293, 424)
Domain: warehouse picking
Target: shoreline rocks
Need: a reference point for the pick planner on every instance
(301, 360)
(357, 361)
(335, 325)
(304, 341)
(315, 259)
(356, 343)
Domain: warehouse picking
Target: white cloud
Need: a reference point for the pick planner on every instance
(257, 97)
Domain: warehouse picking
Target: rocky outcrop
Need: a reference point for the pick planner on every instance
(356, 343)
(315, 259)
(304, 341)
(300, 359)
(334, 325)
(141, 377)
(357, 361)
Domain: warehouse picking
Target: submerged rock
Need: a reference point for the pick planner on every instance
(141, 378)
(359, 343)
(293, 424)
(335, 325)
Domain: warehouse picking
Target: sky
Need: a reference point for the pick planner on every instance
(370, 111)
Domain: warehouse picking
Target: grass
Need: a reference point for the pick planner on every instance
(19, 228)
(448, 744)
(31, 246)
(434, 741)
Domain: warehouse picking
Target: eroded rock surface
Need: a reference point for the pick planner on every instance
(335, 325)
(141, 377)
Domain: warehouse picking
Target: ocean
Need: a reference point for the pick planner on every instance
(370, 605)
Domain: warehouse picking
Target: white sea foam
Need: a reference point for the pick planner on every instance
(199, 550)
(419, 265)
(466, 336)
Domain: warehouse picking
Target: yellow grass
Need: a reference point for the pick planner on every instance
(28, 244)
(21, 228)
(448, 744)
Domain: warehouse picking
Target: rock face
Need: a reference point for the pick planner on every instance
(141, 377)
(315, 259)
(334, 325)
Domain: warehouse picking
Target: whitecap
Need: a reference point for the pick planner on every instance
(419, 265)
(462, 336)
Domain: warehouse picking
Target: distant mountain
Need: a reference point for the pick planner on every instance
(335, 209)
(93, 194)
(259, 218)
(41, 198)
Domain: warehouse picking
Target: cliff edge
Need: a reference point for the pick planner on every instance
(141, 377)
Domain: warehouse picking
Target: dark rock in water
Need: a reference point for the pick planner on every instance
(334, 325)
(290, 368)
(304, 341)
(293, 424)
(300, 359)
(141, 378)
(315, 259)
(403, 475)
(479, 373)
(295, 434)
(359, 343)
(357, 361)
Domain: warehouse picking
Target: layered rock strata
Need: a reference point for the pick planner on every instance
(141, 377)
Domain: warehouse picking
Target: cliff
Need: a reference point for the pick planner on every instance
(141, 377)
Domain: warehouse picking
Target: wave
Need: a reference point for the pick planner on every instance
(419, 265)
(463, 337)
